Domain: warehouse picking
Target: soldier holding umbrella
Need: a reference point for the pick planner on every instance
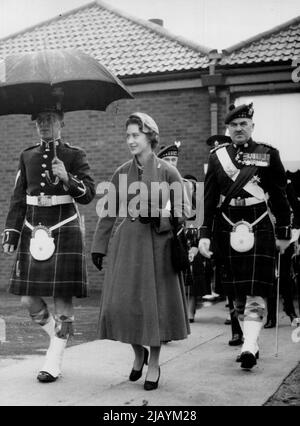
(43, 220)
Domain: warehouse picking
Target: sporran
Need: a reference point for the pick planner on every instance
(42, 244)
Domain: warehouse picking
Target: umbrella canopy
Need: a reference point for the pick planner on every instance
(65, 77)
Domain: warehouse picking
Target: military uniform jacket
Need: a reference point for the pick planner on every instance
(259, 173)
(64, 273)
(32, 179)
(270, 176)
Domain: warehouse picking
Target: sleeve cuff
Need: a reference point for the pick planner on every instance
(205, 232)
(76, 187)
(283, 232)
(10, 236)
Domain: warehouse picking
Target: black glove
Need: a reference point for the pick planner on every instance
(97, 259)
(147, 218)
(10, 237)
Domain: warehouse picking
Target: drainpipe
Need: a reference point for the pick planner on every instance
(212, 80)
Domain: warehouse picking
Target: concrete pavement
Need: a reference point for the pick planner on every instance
(198, 371)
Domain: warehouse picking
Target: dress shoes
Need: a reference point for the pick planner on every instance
(236, 340)
(270, 324)
(45, 377)
(293, 317)
(239, 357)
(248, 360)
(148, 385)
(136, 374)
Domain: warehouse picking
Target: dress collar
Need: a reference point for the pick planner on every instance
(243, 146)
(48, 144)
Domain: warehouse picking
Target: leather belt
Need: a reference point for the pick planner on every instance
(249, 201)
(48, 200)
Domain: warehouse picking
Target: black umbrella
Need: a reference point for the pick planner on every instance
(68, 79)
(65, 77)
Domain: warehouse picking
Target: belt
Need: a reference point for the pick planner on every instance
(48, 200)
(249, 201)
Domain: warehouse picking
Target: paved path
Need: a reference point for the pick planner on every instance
(198, 371)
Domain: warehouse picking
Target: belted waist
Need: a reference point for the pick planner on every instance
(237, 202)
(48, 200)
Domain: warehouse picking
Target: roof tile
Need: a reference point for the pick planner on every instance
(280, 44)
(109, 36)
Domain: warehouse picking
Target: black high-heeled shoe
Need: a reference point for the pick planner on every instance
(136, 374)
(148, 385)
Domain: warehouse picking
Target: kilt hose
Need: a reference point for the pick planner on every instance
(65, 273)
(252, 273)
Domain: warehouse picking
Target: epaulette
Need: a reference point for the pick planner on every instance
(219, 146)
(72, 146)
(31, 147)
(267, 144)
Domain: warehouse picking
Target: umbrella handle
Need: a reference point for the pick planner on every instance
(56, 180)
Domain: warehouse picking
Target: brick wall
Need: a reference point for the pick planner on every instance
(181, 115)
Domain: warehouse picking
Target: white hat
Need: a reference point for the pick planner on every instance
(148, 122)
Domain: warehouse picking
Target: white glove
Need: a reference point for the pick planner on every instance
(192, 253)
(204, 245)
(295, 235)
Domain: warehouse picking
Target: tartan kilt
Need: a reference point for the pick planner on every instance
(252, 273)
(65, 273)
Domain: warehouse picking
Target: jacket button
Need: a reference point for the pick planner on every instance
(42, 184)
(44, 165)
(45, 156)
(43, 174)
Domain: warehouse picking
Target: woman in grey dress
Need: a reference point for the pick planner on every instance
(143, 300)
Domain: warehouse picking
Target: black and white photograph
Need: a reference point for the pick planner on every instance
(150, 206)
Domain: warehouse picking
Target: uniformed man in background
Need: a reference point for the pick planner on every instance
(287, 275)
(43, 222)
(197, 277)
(237, 228)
